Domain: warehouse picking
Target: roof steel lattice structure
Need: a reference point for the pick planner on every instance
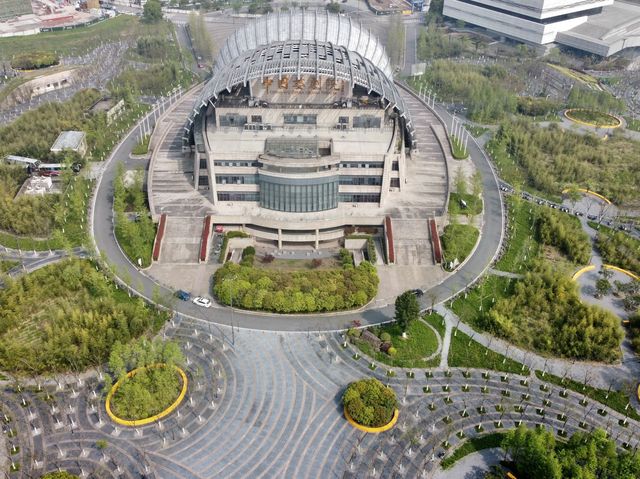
(306, 25)
(355, 57)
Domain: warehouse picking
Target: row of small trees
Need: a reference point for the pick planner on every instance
(564, 232)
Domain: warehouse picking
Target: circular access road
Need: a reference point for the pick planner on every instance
(102, 230)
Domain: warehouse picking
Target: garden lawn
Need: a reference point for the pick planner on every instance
(6, 265)
(522, 246)
(457, 149)
(474, 204)
(632, 123)
(464, 352)
(422, 342)
(480, 298)
(474, 444)
(617, 399)
(458, 241)
(77, 41)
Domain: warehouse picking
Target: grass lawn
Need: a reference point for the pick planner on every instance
(297, 264)
(142, 147)
(469, 308)
(422, 342)
(617, 399)
(78, 41)
(474, 204)
(486, 441)
(458, 241)
(457, 149)
(522, 247)
(437, 322)
(467, 353)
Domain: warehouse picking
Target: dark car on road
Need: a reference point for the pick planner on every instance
(183, 295)
(417, 292)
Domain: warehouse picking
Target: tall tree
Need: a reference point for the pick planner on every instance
(407, 309)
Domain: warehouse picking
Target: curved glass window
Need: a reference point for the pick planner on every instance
(298, 195)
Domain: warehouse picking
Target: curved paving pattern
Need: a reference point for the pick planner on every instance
(264, 404)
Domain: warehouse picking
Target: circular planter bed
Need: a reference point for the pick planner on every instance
(146, 385)
(593, 118)
(370, 406)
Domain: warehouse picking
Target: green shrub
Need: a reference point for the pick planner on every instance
(385, 337)
(392, 351)
(371, 250)
(564, 232)
(369, 402)
(296, 291)
(236, 234)
(345, 257)
(354, 332)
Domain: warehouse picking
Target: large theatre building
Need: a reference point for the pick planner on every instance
(301, 131)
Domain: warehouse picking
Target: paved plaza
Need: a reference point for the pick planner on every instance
(265, 404)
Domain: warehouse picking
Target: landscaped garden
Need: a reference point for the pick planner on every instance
(474, 444)
(135, 230)
(464, 352)
(370, 403)
(386, 344)
(23, 223)
(457, 243)
(546, 160)
(66, 317)
(593, 118)
(535, 453)
(613, 398)
(249, 286)
(149, 380)
(473, 204)
(618, 248)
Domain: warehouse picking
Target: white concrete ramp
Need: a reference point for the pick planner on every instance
(181, 243)
(411, 241)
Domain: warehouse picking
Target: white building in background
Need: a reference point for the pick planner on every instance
(596, 26)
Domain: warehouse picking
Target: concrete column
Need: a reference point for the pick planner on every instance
(196, 169)
(317, 238)
(279, 238)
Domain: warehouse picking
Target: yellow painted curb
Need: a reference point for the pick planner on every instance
(579, 273)
(148, 420)
(591, 267)
(374, 430)
(638, 392)
(589, 192)
(567, 114)
(623, 271)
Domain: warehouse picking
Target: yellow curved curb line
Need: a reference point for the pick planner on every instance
(148, 420)
(623, 271)
(594, 125)
(589, 192)
(638, 392)
(579, 273)
(590, 267)
(374, 430)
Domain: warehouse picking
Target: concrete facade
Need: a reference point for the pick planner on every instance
(596, 26)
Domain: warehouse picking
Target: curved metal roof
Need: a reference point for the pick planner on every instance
(306, 25)
(303, 57)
